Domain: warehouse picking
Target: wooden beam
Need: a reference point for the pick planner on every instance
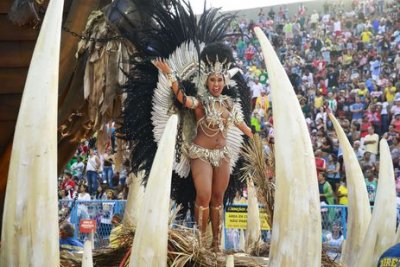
(4, 165)
(5, 6)
(9, 106)
(16, 54)
(6, 132)
(12, 80)
(12, 32)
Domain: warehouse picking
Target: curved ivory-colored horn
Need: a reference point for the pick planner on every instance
(151, 236)
(253, 231)
(242, 241)
(382, 228)
(397, 239)
(30, 219)
(296, 231)
(87, 258)
(359, 214)
(135, 200)
(230, 261)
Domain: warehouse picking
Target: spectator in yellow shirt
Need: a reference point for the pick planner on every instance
(318, 100)
(390, 92)
(342, 193)
(262, 101)
(347, 58)
(366, 36)
(116, 231)
(362, 91)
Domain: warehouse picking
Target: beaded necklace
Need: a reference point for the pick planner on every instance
(213, 120)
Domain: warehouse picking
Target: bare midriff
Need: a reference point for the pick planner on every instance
(215, 142)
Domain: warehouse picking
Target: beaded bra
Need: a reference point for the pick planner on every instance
(213, 121)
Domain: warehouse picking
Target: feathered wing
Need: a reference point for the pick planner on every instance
(184, 61)
(179, 38)
(241, 93)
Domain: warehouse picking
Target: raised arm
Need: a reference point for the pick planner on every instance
(187, 101)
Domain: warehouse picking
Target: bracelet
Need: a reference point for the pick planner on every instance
(194, 103)
(172, 77)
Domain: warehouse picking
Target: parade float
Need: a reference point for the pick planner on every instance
(30, 221)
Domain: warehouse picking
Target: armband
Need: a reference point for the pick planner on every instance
(195, 103)
(237, 117)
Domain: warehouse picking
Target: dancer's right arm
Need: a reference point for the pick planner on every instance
(187, 101)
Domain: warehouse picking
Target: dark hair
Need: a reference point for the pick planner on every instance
(84, 186)
(214, 50)
(117, 218)
(68, 229)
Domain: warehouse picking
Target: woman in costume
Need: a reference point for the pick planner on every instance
(210, 97)
(208, 152)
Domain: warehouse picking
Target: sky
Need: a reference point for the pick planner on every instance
(231, 5)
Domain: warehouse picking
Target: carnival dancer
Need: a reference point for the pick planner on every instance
(197, 80)
(209, 154)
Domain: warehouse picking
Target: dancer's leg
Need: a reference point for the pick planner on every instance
(202, 177)
(219, 185)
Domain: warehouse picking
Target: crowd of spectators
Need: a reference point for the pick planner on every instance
(345, 59)
(90, 175)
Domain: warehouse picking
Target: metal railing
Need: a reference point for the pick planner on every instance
(102, 211)
(333, 217)
(235, 219)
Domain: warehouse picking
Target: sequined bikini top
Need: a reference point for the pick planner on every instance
(213, 121)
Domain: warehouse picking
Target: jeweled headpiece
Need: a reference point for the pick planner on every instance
(217, 67)
(216, 58)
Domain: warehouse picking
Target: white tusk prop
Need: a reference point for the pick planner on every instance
(151, 236)
(87, 258)
(398, 234)
(30, 233)
(253, 231)
(230, 261)
(359, 214)
(134, 201)
(296, 231)
(381, 232)
(242, 241)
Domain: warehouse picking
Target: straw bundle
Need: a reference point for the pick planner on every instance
(256, 167)
(183, 250)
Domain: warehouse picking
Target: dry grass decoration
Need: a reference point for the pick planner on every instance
(260, 167)
(183, 250)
